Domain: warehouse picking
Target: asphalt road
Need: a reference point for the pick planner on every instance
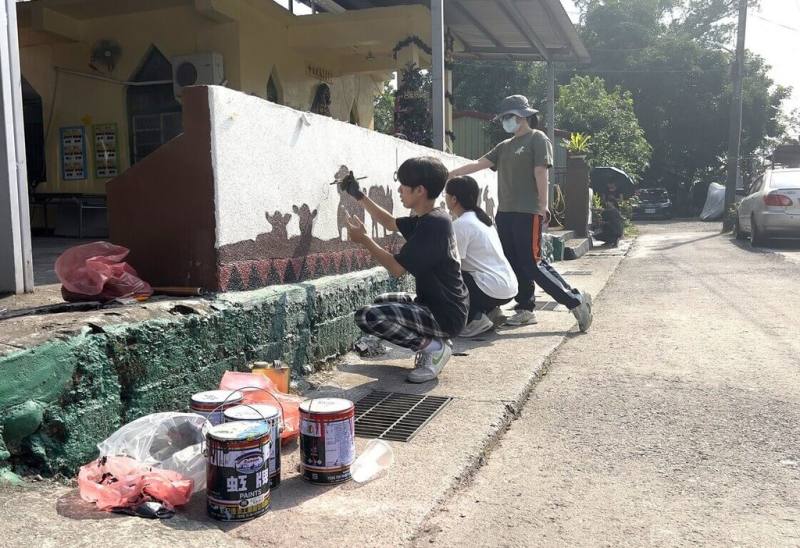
(676, 422)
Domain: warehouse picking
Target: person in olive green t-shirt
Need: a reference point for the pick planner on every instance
(522, 163)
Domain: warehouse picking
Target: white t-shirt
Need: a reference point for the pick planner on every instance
(482, 256)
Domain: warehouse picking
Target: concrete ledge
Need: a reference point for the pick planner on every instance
(80, 376)
(576, 248)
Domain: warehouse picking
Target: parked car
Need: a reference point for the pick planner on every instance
(652, 203)
(771, 209)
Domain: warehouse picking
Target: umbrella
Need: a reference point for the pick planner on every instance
(602, 177)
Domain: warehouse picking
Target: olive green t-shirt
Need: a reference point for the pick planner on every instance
(514, 160)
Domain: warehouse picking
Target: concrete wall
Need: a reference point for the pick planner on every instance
(266, 174)
(59, 399)
(268, 157)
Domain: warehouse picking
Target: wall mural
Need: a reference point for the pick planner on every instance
(274, 257)
(278, 218)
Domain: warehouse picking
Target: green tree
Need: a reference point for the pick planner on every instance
(480, 85)
(584, 105)
(412, 115)
(384, 110)
(673, 57)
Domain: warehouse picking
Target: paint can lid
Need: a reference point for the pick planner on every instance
(218, 397)
(252, 412)
(239, 431)
(326, 406)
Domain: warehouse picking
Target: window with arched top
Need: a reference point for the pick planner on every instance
(154, 115)
(354, 117)
(273, 89)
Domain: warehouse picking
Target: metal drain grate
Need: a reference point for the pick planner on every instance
(395, 416)
(546, 306)
(577, 273)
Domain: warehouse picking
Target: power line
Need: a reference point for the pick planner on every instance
(655, 71)
(787, 27)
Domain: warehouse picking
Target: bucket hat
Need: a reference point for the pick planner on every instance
(517, 105)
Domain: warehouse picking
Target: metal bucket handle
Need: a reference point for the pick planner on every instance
(207, 424)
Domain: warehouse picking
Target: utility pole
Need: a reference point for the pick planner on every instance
(735, 130)
(16, 260)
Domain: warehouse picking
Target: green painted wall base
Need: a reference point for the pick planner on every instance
(59, 399)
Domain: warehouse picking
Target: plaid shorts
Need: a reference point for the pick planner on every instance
(396, 318)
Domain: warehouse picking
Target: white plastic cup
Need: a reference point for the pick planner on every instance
(377, 457)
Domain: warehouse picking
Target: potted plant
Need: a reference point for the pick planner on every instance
(578, 144)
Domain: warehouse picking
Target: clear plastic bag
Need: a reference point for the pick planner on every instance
(169, 441)
(96, 271)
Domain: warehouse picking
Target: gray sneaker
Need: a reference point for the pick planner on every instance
(583, 312)
(479, 325)
(497, 316)
(428, 365)
(522, 317)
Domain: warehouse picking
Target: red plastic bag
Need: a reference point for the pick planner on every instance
(123, 482)
(260, 389)
(96, 271)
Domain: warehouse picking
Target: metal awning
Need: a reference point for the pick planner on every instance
(536, 30)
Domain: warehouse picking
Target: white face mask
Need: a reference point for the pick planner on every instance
(510, 125)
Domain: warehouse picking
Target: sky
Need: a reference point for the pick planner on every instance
(773, 31)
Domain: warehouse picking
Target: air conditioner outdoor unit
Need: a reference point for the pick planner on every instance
(196, 69)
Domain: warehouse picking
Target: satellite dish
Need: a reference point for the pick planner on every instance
(105, 55)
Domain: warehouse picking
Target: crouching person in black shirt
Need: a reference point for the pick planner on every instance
(612, 225)
(424, 323)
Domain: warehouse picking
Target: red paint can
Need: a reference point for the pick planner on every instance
(327, 440)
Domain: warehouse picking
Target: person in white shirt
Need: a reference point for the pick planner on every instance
(486, 271)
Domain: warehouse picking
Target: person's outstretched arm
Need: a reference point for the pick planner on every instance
(472, 167)
(383, 217)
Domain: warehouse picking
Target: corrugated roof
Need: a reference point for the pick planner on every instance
(511, 29)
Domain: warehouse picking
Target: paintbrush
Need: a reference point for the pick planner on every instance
(357, 179)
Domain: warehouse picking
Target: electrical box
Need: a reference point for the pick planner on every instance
(197, 69)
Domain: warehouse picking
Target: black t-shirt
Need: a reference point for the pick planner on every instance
(431, 255)
(613, 223)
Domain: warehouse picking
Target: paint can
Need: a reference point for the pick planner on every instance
(237, 471)
(213, 403)
(327, 439)
(272, 416)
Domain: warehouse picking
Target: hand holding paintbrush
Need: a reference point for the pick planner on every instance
(348, 183)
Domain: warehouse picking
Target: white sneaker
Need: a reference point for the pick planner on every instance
(522, 317)
(583, 312)
(479, 325)
(428, 365)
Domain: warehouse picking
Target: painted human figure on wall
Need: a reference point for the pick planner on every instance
(278, 222)
(305, 217)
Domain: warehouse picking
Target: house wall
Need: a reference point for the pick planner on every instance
(254, 43)
(264, 31)
(78, 101)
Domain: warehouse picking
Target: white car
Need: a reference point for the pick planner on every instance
(771, 209)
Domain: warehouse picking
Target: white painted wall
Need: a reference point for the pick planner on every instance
(268, 157)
